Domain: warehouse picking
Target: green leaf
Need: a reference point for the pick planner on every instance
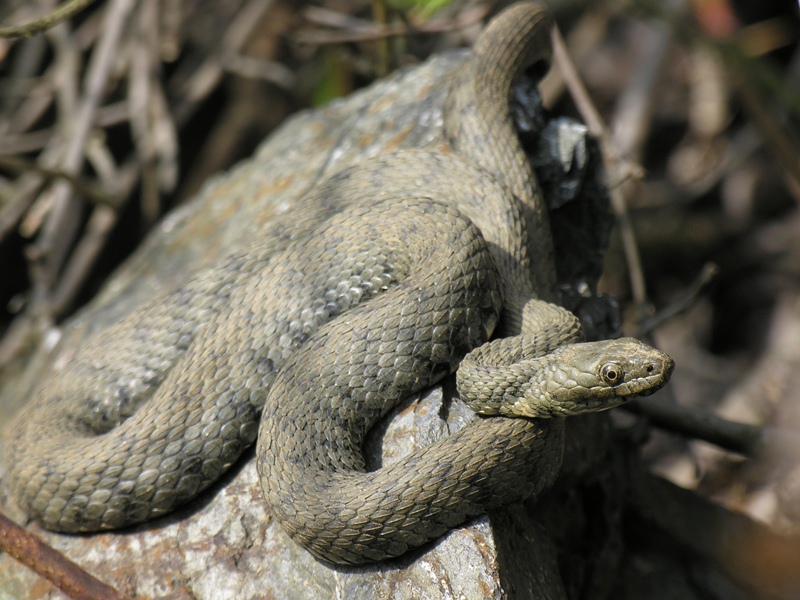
(422, 9)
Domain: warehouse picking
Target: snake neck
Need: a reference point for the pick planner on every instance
(523, 312)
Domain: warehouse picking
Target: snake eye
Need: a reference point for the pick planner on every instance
(611, 373)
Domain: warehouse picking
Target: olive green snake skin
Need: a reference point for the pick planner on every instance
(388, 276)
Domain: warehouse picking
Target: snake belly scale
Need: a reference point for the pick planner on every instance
(393, 272)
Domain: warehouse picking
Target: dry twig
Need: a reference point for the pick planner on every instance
(60, 229)
(749, 440)
(748, 551)
(683, 303)
(356, 31)
(618, 169)
(87, 189)
(49, 563)
(54, 17)
(208, 75)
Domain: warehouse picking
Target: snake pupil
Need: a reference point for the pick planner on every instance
(611, 373)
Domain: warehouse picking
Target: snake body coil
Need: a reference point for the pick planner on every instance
(397, 269)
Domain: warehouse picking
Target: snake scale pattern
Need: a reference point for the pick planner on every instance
(379, 286)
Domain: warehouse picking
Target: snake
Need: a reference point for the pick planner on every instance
(391, 275)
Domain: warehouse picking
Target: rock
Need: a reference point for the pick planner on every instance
(225, 544)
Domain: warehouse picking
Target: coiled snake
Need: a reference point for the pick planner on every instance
(392, 272)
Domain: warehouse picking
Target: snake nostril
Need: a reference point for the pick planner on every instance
(650, 368)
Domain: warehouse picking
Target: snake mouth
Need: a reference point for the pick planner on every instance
(642, 394)
(643, 386)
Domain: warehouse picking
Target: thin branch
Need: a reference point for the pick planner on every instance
(142, 79)
(83, 258)
(51, 19)
(58, 232)
(23, 332)
(24, 143)
(377, 31)
(584, 37)
(707, 275)
(333, 19)
(206, 77)
(21, 76)
(381, 18)
(771, 128)
(85, 188)
(761, 560)
(254, 68)
(634, 107)
(98, 71)
(14, 207)
(749, 440)
(49, 563)
(98, 229)
(618, 169)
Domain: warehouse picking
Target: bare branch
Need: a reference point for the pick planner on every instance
(707, 275)
(618, 170)
(85, 188)
(61, 13)
(379, 31)
(208, 75)
(750, 440)
(49, 563)
(58, 232)
(746, 550)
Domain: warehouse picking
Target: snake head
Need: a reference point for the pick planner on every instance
(628, 367)
(595, 376)
(612, 372)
